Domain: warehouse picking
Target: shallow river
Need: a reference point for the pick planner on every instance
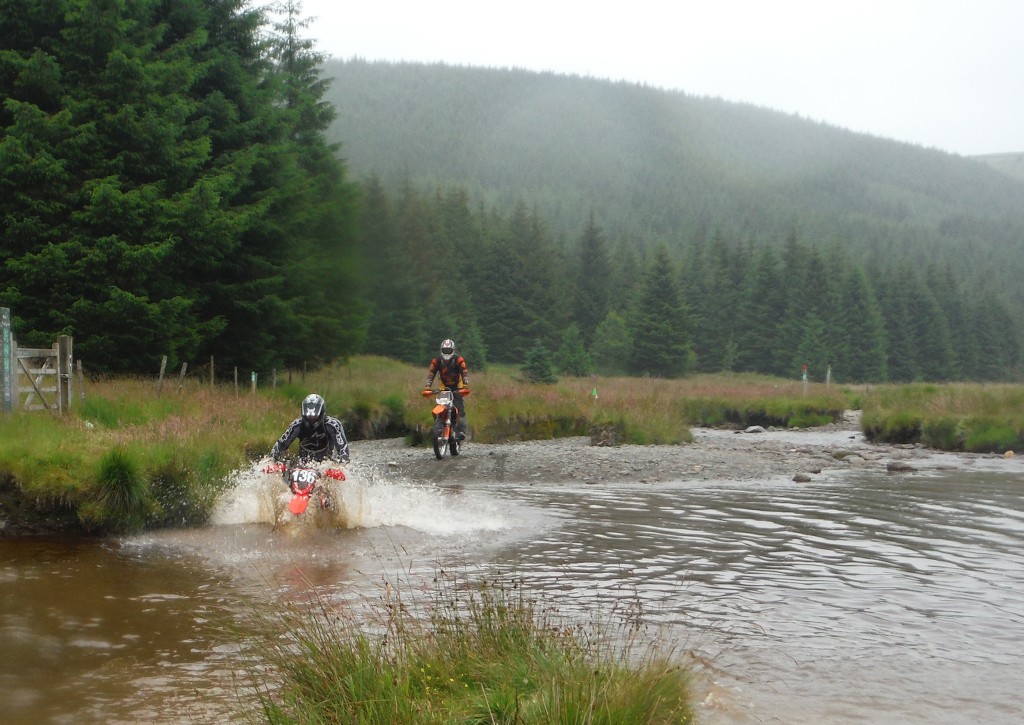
(856, 598)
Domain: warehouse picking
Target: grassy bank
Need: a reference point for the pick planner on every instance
(128, 458)
(462, 652)
(955, 417)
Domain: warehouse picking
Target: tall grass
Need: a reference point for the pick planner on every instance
(982, 418)
(374, 394)
(127, 458)
(462, 652)
(183, 443)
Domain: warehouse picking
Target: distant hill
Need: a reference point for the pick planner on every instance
(656, 165)
(1011, 164)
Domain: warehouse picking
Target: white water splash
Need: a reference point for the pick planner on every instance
(366, 499)
(250, 497)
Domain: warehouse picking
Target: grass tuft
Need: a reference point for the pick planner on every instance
(470, 653)
(122, 490)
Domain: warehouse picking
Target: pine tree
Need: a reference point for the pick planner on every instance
(930, 329)
(810, 303)
(503, 314)
(813, 348)
(712, 294)
(322, 276)
(659, 325)
(941, 281)
(156, 170)
(593, 277)
(995, 339)
(861, 352)
(538, 366)
(572, 357)
(516, 288)
(902, 361)
(612, 350)
(761, 306)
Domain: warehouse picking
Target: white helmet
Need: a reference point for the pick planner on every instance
(447, 349)
(314, 410)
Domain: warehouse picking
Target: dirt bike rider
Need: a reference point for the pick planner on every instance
(454, 377)
(320, 435)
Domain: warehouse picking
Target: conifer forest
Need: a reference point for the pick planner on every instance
(192, 179)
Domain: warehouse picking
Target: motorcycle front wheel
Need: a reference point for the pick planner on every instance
(440, 442)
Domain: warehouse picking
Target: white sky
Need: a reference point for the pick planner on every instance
(947, 74)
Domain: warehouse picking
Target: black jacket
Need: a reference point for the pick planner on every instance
(316, 442)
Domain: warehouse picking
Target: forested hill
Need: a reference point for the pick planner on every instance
(664, 165)
(1009, 163)
(657, 232)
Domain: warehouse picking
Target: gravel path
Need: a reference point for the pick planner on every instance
(714, 455)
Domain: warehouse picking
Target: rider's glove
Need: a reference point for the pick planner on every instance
(427, 392)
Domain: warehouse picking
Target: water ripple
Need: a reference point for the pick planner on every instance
(868, 600)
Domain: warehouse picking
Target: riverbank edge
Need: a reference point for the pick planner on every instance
(755, 453)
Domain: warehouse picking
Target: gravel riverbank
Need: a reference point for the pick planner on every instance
(802, 455)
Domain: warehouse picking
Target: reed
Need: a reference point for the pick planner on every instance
(457, 651)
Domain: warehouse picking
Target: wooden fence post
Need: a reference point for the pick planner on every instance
(163, 369)
(81, 380)
(253, 382)
(181, 378)
(6, 361)
(64, 378)
(236, 380)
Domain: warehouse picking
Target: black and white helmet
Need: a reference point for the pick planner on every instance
(314, 409)
(447, 349)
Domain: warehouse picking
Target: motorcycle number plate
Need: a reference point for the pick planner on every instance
(305, 475)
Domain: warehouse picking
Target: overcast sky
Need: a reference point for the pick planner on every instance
(947, 74)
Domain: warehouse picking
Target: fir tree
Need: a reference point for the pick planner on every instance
(158, 170)
(593, 277)
(612, 350)
(761, 306)
(538, 366)
(861, 353)
(659, 325)
(572, 357)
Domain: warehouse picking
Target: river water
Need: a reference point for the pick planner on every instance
(860, 597)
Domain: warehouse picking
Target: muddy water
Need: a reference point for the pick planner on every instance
(861, 598)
